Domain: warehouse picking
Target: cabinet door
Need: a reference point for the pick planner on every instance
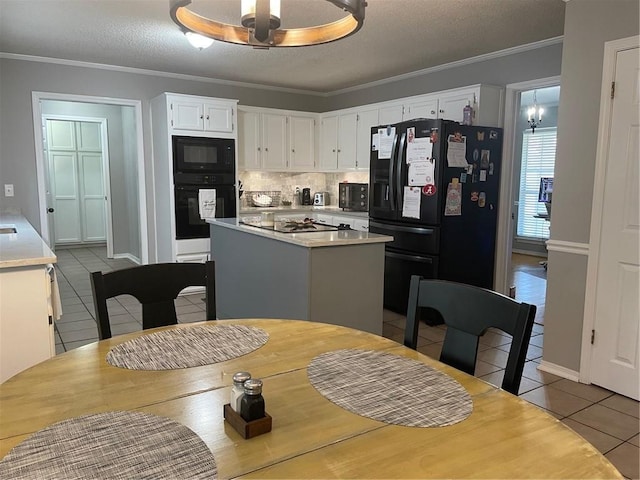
(366, 120)
(274, 142)
(450, 106)
(390, 114)
(302, 143)
(347, 133)
(187, 115)
(427, 108)
(329, 143)
(361, 224)
(218, 118)
(249, 147)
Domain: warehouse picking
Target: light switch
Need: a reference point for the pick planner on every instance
(8, 190)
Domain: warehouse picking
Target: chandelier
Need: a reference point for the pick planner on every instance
(534, 114)
(260, 25)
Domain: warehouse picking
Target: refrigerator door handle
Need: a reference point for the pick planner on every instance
(413, 258)
(402, 228)
(392, 162)
(399, 162)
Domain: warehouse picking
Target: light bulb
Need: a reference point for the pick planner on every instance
(198, 41)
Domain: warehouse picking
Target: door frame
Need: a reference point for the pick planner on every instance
(504, 236)
(611, 50)
(104, 138)
(36, 98)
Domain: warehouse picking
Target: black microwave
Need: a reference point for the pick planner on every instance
(353, 196)
(203, 155)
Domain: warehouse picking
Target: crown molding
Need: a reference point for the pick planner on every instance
(458, 63)
(155, 73)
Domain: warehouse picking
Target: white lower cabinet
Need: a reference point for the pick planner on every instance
(26, 328)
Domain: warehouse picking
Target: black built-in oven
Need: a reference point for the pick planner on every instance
(207, 163)
(203, 155)
(187, 213)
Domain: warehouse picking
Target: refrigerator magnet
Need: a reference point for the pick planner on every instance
(429, 190)
(483, 175)
(474, 196)
(484, 159)
(480, 136)
(463, 177)
(434, 136)
(453, 202)
(482, 199)
(476, 155)
(493, 135)
(491, 168)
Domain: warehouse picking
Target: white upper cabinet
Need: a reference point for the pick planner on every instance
(451, 106)
(366, 120)
(249, 146)
(201, 114)
(302, 143)
(424, 108)
(276, 140)
(389, 114)
(338, 142)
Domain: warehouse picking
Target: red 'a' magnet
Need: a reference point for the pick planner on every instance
(429, 190)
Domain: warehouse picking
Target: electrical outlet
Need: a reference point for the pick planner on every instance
(8, 190)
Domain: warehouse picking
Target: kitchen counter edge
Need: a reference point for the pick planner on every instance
(23, 248)
(307, 239)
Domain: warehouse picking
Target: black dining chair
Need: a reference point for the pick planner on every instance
(468, 312)
(156, 287)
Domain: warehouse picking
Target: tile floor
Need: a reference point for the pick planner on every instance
(608, 420)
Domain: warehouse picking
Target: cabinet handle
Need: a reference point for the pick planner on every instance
(293, 150)
(441, 111)
(266, 149)
(339, 150)
(433, 112)
(333, 150)
(201, 117)
(258, 148)
(207, 117)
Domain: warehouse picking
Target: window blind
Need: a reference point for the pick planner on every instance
(538, 160)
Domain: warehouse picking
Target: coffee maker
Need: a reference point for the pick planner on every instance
(306, 196)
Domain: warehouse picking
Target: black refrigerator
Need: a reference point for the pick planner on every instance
(434, 187)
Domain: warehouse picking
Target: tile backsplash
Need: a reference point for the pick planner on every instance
(287, 182)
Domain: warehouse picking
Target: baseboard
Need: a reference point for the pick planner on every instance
(559, 371)
(529, 252)
(128, 256)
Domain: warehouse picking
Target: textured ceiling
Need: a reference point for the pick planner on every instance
(399, 36)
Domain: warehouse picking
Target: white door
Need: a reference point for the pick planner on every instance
(77, 180)
(615, 353)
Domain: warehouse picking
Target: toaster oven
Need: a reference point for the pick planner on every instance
(353, 196)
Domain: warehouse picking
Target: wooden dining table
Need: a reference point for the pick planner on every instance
(311, 437)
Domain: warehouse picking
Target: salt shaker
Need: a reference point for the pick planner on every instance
(252, 402)
(237, 391)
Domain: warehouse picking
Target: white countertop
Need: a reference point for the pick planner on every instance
(23, 248)
(301, 209)
(332, 238)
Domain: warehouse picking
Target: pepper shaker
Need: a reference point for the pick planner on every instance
(237, 391)
(252, 402)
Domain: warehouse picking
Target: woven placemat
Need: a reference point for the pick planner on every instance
(389, 388)
(112, 445)
(187, 347)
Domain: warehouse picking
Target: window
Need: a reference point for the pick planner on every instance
(538, 159)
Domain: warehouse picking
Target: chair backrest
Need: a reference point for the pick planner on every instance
(468, 312)
(156, 287)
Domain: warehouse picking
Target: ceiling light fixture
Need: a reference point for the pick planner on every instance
(533, 112)
(260, 28)
(198, 41)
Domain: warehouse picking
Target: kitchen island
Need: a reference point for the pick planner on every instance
(334, 277)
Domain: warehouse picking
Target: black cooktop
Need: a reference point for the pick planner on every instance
(293, 226)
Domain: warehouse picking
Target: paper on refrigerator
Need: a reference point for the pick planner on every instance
(421, 173)
(457, 151)
(385, 142)
(419, 149)
(411, 202)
